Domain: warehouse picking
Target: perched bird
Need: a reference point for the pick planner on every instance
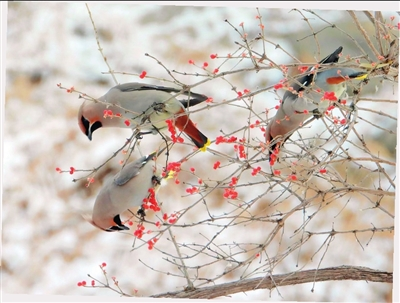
(125, 190)
(146, 107)
(305, 100)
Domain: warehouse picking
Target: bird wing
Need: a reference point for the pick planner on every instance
(130, 171)
(133, 169)
(135, 86)
(308, 78)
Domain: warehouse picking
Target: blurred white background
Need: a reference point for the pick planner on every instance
(47, 246)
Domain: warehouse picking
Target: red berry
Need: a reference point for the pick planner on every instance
(277, 172)
(143, 74)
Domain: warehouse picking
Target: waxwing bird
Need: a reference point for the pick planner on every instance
(146, 107)
(125, 190)
(305, 100)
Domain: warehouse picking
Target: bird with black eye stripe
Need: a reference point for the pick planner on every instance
(296, 108)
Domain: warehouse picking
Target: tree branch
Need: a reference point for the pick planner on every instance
(306, 276)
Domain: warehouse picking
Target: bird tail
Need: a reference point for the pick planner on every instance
(184, 124)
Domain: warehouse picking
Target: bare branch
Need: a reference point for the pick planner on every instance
(269, 282)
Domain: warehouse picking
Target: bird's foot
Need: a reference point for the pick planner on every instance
(317, 114)
(141, 213)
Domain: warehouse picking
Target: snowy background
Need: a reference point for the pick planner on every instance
(47, 246)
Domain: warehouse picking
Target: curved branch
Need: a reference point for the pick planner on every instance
(269, 282)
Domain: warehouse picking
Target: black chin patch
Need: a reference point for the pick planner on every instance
(117, 220)
(94, 126)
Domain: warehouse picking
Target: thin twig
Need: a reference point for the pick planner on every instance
(99, 46)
